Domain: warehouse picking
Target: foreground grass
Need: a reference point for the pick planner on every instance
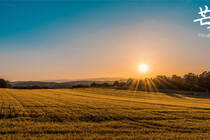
(101, 114)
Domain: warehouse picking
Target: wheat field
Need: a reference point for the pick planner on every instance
(93, 113)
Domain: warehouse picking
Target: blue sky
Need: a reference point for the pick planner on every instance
(43, 39)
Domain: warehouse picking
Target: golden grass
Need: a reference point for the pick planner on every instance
(93, 113)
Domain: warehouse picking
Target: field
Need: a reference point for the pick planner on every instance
(92, 113)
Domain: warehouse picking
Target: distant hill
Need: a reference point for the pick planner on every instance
(69, 84)
(88, 79)
(31, 83)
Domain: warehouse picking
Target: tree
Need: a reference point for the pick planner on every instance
(191, 80)
(204, 80)
(93, 84)
(178, 81)
(162, 82)
(3, 83)
(116, 83)
(129, 82)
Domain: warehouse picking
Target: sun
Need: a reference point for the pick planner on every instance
(143, 68)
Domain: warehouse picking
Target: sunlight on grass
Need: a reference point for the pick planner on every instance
(106, 113)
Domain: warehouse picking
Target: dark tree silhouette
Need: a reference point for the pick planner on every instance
(204, 80)
(3, 83)
(189, 82)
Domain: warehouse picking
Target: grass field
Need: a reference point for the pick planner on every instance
(93, 113)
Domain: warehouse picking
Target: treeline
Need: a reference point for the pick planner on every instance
(189, 82)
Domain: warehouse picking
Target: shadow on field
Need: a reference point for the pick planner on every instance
(192, 94)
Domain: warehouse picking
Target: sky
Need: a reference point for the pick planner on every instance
(69, 39)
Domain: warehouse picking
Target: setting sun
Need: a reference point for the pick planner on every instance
(143, 68)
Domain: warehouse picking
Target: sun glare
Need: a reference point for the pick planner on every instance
(143, 68)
